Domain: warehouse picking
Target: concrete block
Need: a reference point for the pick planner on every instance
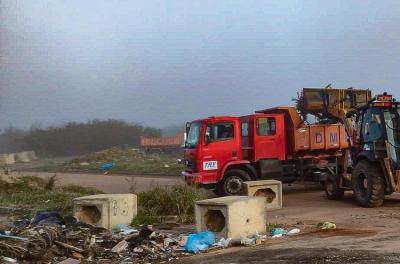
(7, 159)
(232, 216)
(270, 189)
(106, 210)
(22, 156)
(31, 155)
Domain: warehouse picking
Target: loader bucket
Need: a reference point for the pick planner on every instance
(331, 102)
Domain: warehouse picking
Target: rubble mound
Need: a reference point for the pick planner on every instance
(127, 160)
(115, 154)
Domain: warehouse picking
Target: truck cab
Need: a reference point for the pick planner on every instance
(210, 144)
(221, 152)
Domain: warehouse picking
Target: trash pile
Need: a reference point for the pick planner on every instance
(53, 238)
(49, 237)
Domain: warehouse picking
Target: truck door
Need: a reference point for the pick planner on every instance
(221, 145)
(269, 137)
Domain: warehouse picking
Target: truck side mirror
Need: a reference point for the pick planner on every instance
(207, 140)
(187, 127)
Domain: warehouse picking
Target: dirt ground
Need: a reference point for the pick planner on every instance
(363, 235)
(108, 183)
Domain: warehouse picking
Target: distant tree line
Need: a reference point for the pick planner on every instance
(75, 138)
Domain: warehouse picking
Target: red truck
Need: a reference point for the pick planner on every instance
(222, 152)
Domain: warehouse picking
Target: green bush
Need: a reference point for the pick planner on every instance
(162, 201)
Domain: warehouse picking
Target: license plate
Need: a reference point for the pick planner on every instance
(210, 165)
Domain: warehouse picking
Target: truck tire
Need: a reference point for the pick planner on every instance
(332, 190)
(368, 184)
(232, 184)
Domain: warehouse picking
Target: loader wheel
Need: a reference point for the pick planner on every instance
(232, 184)
(368, 184)
(332, 190)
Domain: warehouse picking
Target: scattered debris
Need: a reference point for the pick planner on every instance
(79, 250)
(246, 241)
(326, 226)
(70, 261)
(78, 256)
(293, 231)
(224, 243)
(46, 217)
(182, 241)
(278, 232)
(124, 229)
(8, 260)
(13, 237)
(121, 246)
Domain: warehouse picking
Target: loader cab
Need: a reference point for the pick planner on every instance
(379, 129)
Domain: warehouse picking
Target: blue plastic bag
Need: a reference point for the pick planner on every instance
(107, 165)
(278, 231)
(48, 218)
(199, 242)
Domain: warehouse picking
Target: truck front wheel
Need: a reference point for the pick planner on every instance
(332, 189)
(368, 184)
(232, 184)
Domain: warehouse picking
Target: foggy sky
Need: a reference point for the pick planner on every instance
(166, 62)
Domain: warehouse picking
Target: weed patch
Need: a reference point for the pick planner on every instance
(162, 201)
(31, 193)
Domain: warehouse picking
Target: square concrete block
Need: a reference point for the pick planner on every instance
(7, 159)
(106, 210)
(232, 216)
(22, 156)
(270, 189)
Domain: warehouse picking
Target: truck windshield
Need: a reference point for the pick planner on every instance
(392, 120)
(193, 135)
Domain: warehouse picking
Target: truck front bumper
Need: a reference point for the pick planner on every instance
(202, 178)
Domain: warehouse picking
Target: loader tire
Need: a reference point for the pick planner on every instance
(232, 184)
(368, 184)
(332, 190)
